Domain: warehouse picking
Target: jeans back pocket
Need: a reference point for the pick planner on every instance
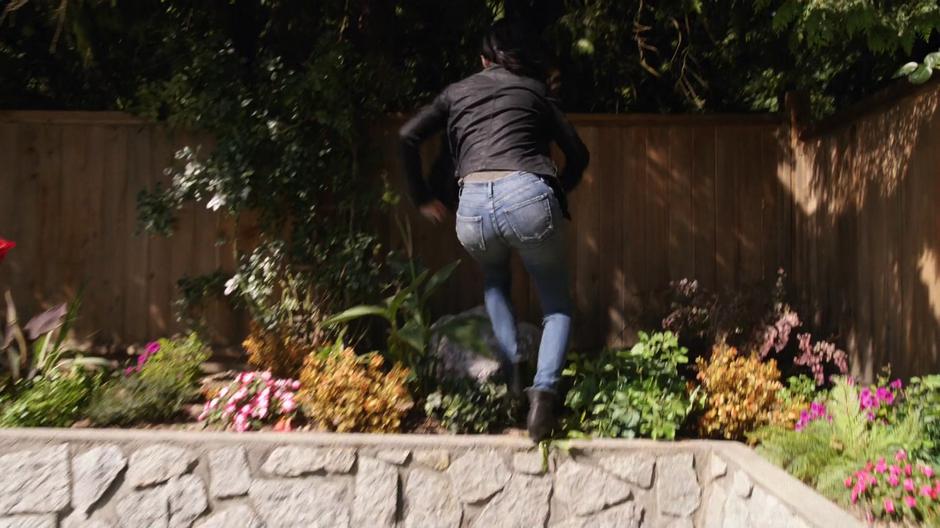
(531, 220)
(470, 233)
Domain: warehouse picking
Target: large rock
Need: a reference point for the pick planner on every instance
(157, 464)
(430, 502)
(187, 498)
(239, 516)
(296, 461)
(715, 506)
(79, 519)
(522, 504)
(229, 472)
(314, 502)
(394, 456)
(477, 475)
(93, 472)
(635, 468)
(433, 458)
(529, 462)
(767, 511)
(376, 498)
(466, 346)
(677, 488)
(626, 515)
(586, 489)
(28, 521)
(149, 507)
(35, 481)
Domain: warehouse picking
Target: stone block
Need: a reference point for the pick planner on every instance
(35, 481)
(229, 473)
(93, 472)
(677, 488)
(478, 475)
(158, 463)
(586, 489)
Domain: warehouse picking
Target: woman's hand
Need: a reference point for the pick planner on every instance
(434, 211)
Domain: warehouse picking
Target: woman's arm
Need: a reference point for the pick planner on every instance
(428, 121)
(576, 154)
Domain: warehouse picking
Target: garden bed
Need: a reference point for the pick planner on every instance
(109, 478)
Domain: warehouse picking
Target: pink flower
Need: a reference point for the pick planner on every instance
(908, 485)
(288, 406)
(926, 490)
(893, 479)
(908, 470)
(848, 482)
(927, 471)
(882, 466)
(5, 247)
(901, 455)
(855, 492)
(295, 385)
(896, 384)
(910, 501)
(889, 506)
(152, 348)
(266, 376)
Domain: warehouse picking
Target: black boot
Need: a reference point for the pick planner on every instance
(541, 414)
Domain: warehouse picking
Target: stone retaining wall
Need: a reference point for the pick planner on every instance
(143, 479)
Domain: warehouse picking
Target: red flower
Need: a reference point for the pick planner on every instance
(5, 246)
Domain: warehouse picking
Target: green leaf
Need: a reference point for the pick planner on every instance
(439, 278)
(920, 75)
(414, 335)
(355, 313)
(907, 69)
(932, 60)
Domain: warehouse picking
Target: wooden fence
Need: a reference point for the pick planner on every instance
(726, 200)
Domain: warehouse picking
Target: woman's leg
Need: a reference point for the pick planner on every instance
(497, 296)
(548, 267)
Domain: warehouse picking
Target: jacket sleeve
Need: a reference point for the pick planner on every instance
(427, 122)
(576, 154)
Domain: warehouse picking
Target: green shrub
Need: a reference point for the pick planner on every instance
(469, 407)
(922, 396)
(158, 391)
(54, 401)
(628, 393)
(837, 441)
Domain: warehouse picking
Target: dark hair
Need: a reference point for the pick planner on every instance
(514, 46)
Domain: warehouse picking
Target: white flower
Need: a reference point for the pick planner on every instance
(217, 201)
(231, 285)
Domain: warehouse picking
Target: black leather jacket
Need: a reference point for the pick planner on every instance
(495, 120)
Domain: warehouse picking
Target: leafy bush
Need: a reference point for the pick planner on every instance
(272, 351)
(757, 318)
(50, 401)
(341, 391)
(252, 400)
(165, 382)
(409, 321)
(897, 491)
(825, 451)
(467, 406)
(922, 396)
(740, 392)
(628, 393)
(794, 398)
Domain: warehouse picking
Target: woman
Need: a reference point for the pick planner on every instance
(499, 123)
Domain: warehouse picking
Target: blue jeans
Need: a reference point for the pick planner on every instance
(520, 212)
